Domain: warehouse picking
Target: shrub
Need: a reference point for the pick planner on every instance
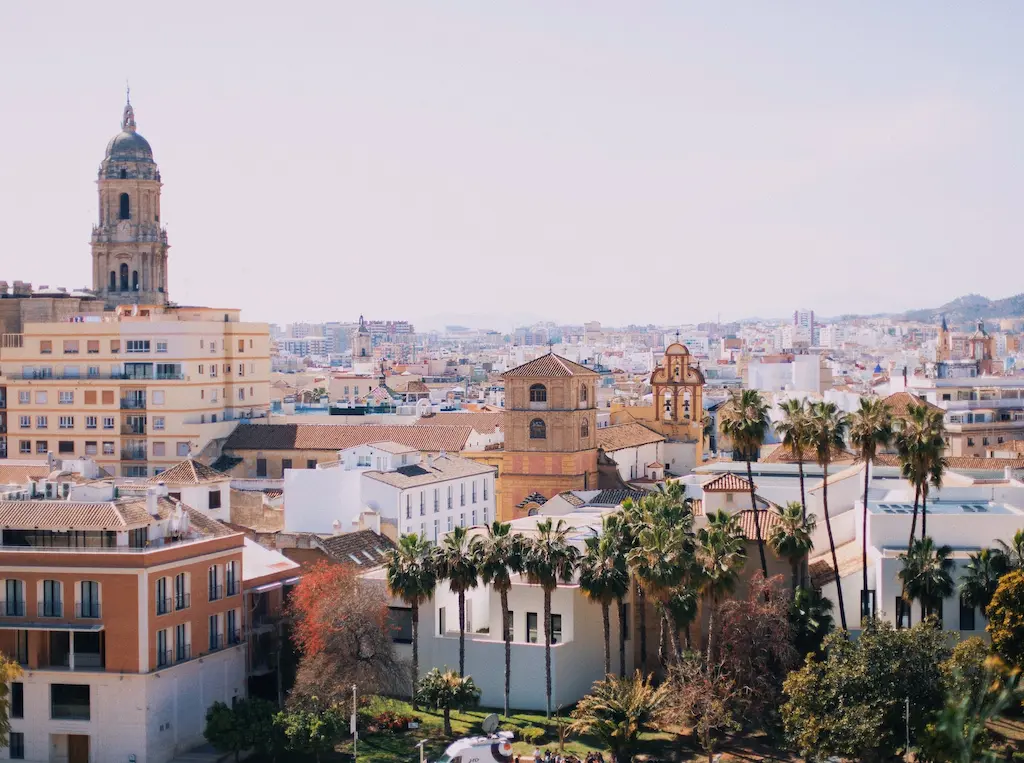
(532, 735)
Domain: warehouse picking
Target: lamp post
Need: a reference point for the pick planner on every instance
(355, 731)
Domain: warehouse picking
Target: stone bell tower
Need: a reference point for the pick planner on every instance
(129, 247)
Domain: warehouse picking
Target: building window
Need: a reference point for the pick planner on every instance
(485, 517)
(67, 447)
(233, 634)
(182, 647)
(216, 590)
(46, 347)
(163, 654)
(52, 604)
(92, 346)
(902, 613)
(25, 422)
(125, 210)
(261, 467)
(42, 422)
(216, 640)
(966, 616)
(538, 430)
(867, 604)
(66, 422)
(462, 494)
(70, 346)
(474, 491)
(158, 422)
(182, 598)
(24, 397)
(437, 527)
(215, 498)
(137, 345)
(531, 627)
(472, 518)
(583, 393)
(90, 422)
(17, 745)
(89, 599)
(183, 449)
(408, 506)
(585, 428)
(108, 422)
(108, 448)
(90, 448)
(286, 463)
(163, 598)
(437, 500)
(556, 629)
(14, 606)
(139, 537)
(232, 579)
(538, 393)
(42, 447)
(161, 346)
(17, 699)
(450, 524)
(66, 397)
(25, 447)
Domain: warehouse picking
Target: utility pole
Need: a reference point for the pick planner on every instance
(355, 730)
(908, 725)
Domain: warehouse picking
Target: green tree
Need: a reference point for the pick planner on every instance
(851, 703)
(500, 555)
(550, 559)
(810, 620)
(981, 578)
(617, 711)
(9, 671)
(744, 420)
(446, 689)
(828, 434)
(1013, 551)
(871, 428)
(456, 561)
(791, 539)
(1006, 618)
(794, 430)
(604, 578)
(721, 554)
(621, 528)
(920, 445)
(927, 575)
(312, 731)
(412, 578)
(248, 725)
(224, 729)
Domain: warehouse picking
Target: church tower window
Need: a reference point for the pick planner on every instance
(538, 394)
(583, 393)
(135, 280)
(113, 281)
(584, 428)
(124, 277)
(126, 211)
(124, 174)
(538, 430)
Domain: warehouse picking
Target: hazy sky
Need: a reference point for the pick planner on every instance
(624, 162)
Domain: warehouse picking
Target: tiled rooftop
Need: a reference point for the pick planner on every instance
(547, 367)
(431, 439)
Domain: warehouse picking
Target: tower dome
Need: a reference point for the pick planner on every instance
(128, 145)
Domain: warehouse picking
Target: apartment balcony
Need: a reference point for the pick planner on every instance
(133, 429)
(87, 610)
(164, 606)
(234, 637)
(973, 405)
(133, 454)
(12, 608)
(234, 587)
(182, 601)
(216, 642)
(50, 608)
(216, 592)
(133, 403)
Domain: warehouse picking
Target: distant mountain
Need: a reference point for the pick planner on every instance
(970, 308)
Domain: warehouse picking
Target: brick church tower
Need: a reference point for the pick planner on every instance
(550, 431)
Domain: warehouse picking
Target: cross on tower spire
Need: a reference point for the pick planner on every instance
(128, 118)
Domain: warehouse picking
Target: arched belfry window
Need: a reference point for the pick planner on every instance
(124, 174)
(538, 430)
(113, 281)
(126, 208)
(135, 280)
(585, 428)
(538, 393)
(583, 393)
(124, 277)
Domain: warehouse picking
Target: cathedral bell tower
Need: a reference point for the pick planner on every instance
(129, 247)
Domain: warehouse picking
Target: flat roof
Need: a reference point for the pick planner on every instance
(941, 507)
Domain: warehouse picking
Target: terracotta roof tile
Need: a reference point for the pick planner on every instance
(426, 472)
(767, 519)
(966, 463)
(431, 439)
(536, 498)
(822, 572)
(620, 436)
(726, 483)
(616, 497)
(189, 472)
(18, 474)
(697, 504)
(547, 367)
(899, 402)
(573, 499)
(484, 422)
(363, 547)
(783, 454)
(66, 515)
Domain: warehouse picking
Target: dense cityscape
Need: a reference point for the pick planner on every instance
(388, 537)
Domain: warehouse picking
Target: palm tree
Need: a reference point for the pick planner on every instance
(684, 604)
(920, 444)
(456, 560)
(550, 559)
(927, 575)
(632, 520)
(1013, 551)
(604, 579)
(810, 620)
(744, 420)
(618, 710)
(445, 690)
(979, 583)
(500, 555)
(412, 578)
(790, 538)
(721, 554)
(828, 430)
(793, 430)
(870, 429)
(616, 528)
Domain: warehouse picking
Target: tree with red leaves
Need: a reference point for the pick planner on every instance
(341, 629)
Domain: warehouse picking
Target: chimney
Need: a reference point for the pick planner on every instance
(1007, 473)
(153, 495)
(336, 527)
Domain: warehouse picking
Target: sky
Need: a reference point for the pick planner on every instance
(494, 162)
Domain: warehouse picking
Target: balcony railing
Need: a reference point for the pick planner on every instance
(183, 652)
(234, 637)
(87, 609)
(182, 601)
(133, 454)
(133, 429)
(13, 608)
(50, 608)
(165, 659)
(216, 592)
(216, 642)
(163, 606)
(234, 588)
(133, 403)
(69, 712)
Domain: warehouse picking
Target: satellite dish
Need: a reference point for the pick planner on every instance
(490, 723)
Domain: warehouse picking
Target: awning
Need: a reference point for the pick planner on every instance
(267, 587)
(292, 581)
(11, 626)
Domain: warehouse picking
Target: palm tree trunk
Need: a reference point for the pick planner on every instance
(913, 522)
(415, 651)
(642, 606)
(507, 636)
(864, 543)
(711, 632)
(662, 638)
(832, 546)
(800, 468)
(462, 633)
(622, 638)
(757, 521)
(606, 622)
(924, 511)
(547, 650)
(796, 566)
(673, 636)
(447, 721)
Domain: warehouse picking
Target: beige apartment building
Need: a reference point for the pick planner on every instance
(136, 389)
